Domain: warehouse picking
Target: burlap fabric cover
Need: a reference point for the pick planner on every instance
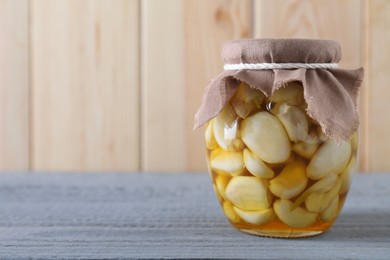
(331, 94)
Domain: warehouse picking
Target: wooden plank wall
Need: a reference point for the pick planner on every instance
(377, 93)
(101, 85)
(14, 85)
(84, 85)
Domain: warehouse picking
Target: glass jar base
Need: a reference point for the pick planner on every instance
(282, 234)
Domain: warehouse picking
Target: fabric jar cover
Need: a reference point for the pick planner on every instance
(331, 94)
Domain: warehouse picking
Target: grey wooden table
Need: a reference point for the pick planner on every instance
(147, 216)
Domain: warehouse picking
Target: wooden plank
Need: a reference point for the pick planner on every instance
(156, 216)
(333, 19)
(378, 78)
(85, 85)
(181, 52)
(14, 85)
(364, 147)
(162, 130)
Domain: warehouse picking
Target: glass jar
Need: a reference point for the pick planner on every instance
(273, 169)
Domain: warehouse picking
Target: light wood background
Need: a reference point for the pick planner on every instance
(102, 85)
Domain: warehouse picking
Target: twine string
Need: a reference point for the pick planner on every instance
(270, 66)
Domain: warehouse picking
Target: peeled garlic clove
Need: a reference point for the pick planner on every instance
(256, 217)
(346, 175)
(292, 94)
(331, 212)
(238, 144)
(243, 109)
(335, 190)
(323, 185)
(211, 143)
(315, 201)
(247, 94)
(229, 212)
(294, 121)
(320, 201)
(225, 127)
(265, 136)
(215, 152)
(313, 138)
(321, 134)
(228, 162)
(298, 217)
(278, 165)
(256, 166)
(248, 193)
(221, 181)
(290, 182)
(330, 158)
(246, 100)
(306, 150)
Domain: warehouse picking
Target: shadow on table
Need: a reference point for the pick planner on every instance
(370, 227)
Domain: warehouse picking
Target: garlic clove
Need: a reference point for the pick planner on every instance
(330, 158)
(331, 212)
(290, 182)
(256, 166)
(291, 94)
(346, 175)
(246, 100)
(231, 163)
(281, 164)
(226, 130)
(314, 202)
(313, 138)
(320, 201)
(211, 143)
(229, 211)
(320, 134)
(238, 144)
(243, 109)
(248, 193)
(294, 121)
(248, 94)
(256, 217)
(298, 218)
(324, 185)
(266, 137)
(221, 181)
(306, 150)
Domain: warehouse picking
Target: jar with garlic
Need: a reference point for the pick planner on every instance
(280, 135)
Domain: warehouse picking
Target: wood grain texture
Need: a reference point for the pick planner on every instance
(378, 78)
(342, 21)
(85, 85)
(162, 130)
(181, 52)
(332, 19)
(14, 85)
(364, 146)
(208, 25)
(152, 216)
